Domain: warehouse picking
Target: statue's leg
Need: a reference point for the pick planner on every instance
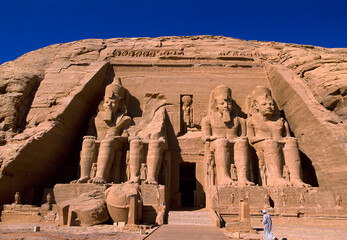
(105, 159)
(241, 161)
(154, 159)
(292, 159)
(274, 163)
(135, 160)
(118, 159)
(222, 158)
(87, 157)
(262, 166)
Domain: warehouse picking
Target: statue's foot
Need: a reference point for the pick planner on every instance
(245, 183)
(281, 182)
(226, 182)
(134, 180)
(150, 181)
(299, 183)
(98, 180)
(81, 180)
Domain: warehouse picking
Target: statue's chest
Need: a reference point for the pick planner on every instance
(269, 128)
(227, 130)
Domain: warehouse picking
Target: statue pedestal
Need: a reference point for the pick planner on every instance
(287, 205)
(63, 192)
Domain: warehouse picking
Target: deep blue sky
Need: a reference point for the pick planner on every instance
(28, 25)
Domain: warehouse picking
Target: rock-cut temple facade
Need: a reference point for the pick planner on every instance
(133, 129)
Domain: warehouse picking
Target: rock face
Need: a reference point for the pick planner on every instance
(48, 96)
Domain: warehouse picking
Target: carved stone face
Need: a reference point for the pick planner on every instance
(223, 104)
(187, 101)
(266, 106)
(111, 105)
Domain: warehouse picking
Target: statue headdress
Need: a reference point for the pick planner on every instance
(115, 89)
(221, 90)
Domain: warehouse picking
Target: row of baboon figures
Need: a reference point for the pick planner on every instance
(226, 135)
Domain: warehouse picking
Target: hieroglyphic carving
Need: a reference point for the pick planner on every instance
(147, 53)
(238, 54)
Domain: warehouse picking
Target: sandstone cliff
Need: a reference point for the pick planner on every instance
(47, 96)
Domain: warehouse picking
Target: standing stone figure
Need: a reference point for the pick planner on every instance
(225, 132)
(48, 205)
(283, 199)
(233, 172)
(302, 200)
(338, 202)
(187, 110)
(17, 198)
(232, 199)
(286, 174)
(93, 171)
(269, 134)
(127, 170)
(210, 168)
(143, 172)
(149, 134)
(110, 123)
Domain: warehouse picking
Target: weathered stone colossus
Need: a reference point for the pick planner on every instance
(148, 136)
(111, 123)
(225, 135)
(269, 134)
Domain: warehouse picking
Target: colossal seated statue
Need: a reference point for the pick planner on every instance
(110, 123)
(225, 132)
(148, 139)
(269, 134)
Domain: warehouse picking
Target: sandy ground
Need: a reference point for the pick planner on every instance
(297, 233)
(25, 231)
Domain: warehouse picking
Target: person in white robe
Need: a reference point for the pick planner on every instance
(268, 235)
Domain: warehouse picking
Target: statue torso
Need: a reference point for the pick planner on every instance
(267, 128)
(221, 129)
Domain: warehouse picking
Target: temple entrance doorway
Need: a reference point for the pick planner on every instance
(187, 185)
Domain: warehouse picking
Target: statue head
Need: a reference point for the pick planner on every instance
(222, 102)
(186, 100)
(114, 99)
(262, 101)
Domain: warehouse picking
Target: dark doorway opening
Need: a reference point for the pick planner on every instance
(187, 184)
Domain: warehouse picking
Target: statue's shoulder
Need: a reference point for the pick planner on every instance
(206, 119)
(250, 120)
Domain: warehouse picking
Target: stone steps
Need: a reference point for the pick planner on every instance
(201, 218)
